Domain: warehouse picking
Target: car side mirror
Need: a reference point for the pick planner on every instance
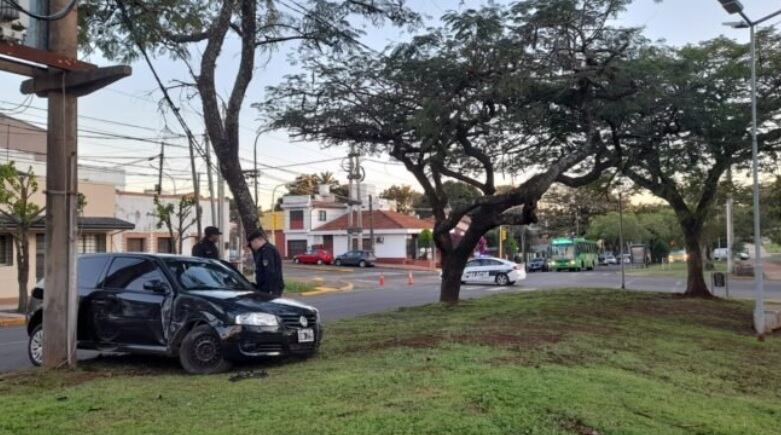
(156, 285)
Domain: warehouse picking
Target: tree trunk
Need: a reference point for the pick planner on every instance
(453, 264)
(22, 269)
(695, 282)
(231, 172)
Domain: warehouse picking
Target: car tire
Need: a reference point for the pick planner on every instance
(362, 264)
(201, 352)
(296, 261)
(502, 279)
(337, 262)
(35, 346)
(319, 262)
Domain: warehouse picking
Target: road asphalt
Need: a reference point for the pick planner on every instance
(369, 297)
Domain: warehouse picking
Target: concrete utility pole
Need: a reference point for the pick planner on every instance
(60, 298)
(209, 177)
(196, 188)
(371, 223)
(221, 213)
(354, 202)
(159, 188)
(621, 236)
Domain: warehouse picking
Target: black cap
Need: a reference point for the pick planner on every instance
(257, 234)
(212, 231)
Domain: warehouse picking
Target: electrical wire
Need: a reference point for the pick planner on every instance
(53, 17)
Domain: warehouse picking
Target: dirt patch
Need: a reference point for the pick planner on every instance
(578, 427)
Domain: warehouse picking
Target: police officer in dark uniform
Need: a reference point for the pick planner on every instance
(268, 264)
(207, 247)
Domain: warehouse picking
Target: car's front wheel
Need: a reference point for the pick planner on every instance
(35, 346)
(502, 279)
(201, 352)
(319, 262)
(338, 262)
(362, 264)
(296, 260)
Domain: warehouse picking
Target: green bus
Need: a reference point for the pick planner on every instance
(572, 254)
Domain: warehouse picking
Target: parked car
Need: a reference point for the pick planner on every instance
(492, 270)
(720, 254)
(538, 264)
(315, 256)
(744, 256)
(356, 258)
(201, 311)
(677, 256)
(610, 259)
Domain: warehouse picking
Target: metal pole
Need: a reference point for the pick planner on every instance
(759, 285)
(221, 212)
(371, 223)
(196, 187)
(209, 179)
(160, 171)
(621, 238)
(255, 169)
(730, 241)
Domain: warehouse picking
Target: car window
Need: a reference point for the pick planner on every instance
(89, 271)
(128, 273)
(201, 275)
(492, 263)
(473, 263)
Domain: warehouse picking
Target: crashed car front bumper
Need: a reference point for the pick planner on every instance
(247, 342)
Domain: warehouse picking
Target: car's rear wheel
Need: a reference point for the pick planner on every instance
(35, 346)
(338, 262)
(502, 279)
(362, 264)
(201, 352)
(319, 262)
(296, 260)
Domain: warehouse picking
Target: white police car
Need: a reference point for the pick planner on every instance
(493, 270)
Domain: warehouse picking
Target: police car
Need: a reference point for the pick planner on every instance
(493, 270)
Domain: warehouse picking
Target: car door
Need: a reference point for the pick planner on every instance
(351, 258)
(134, 292)
(471, 271)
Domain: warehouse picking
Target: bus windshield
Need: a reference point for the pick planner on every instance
(567, 251)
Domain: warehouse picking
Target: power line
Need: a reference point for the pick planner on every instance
(53, 17)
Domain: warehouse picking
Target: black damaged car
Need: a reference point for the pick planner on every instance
(202, 311)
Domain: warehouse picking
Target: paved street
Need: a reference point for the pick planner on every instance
(368, 297)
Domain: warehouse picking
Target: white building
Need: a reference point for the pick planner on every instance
(138, 208)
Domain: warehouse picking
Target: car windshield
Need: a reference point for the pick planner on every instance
(202, 275)
(567, 251)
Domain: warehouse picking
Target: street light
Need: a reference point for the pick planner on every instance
(273, 207)
(734, 7)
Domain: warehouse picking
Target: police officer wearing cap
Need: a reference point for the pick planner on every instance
(268, 264)
(207, 247)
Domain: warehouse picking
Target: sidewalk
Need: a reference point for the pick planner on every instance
(406, 267)
(9, 316)
(772, 270)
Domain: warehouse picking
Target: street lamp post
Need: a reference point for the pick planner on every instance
(273, 217)
(255, 169)
(735, 7)
(621, 234)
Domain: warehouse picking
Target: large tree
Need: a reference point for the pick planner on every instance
(496, 90)
(405, 197)
(459, 194)
(689, 123)
(197, 33)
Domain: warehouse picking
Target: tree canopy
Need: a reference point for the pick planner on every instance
(497, 90)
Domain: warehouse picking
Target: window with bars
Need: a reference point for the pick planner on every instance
(165, 245)
(136, 244)
(92, 243)
(6, 250)
(40, 256)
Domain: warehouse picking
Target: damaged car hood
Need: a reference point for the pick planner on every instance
(249, 300)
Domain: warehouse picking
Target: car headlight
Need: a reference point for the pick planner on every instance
(257, 319)
(572, 262)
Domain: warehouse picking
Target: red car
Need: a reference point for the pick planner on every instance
(317, 256)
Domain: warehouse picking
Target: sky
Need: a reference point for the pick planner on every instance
(130, 107)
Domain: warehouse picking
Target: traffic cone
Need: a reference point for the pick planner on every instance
(410, 279)
(382, 280)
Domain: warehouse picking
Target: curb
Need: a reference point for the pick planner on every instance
(325, 290)
(320, 268)
(6, 322)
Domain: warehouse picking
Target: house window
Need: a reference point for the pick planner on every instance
(6, 250)
(164, 245)
(296, 219)
(136, 244)
(92, 243)
(322, 216)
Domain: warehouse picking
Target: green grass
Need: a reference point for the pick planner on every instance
(773, 248)
(576, 361)
(299, 286)
(670, 270)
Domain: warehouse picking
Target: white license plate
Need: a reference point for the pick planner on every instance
(306, 335)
